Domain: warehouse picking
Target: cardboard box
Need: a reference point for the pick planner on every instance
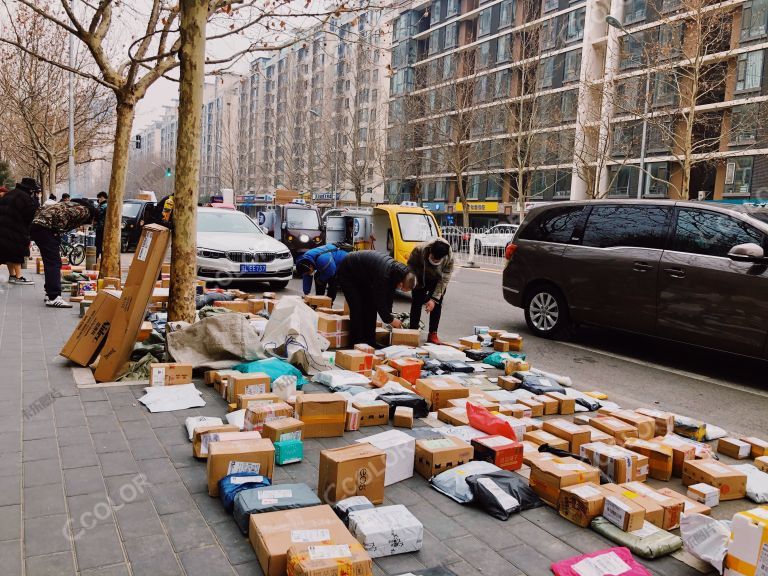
(316, 301)
(537, 408)
(283, 429)
(508, 383)
(565, 404)
(453, 416)
(734, 448)
(489, 405)
(352, 422)
(320, 559)
(471, 342)
(550, 404)
(438, 391)
(620, 464)
(575, 435)
(89, 336)
(689, 506)
(134, 299)
(540, 437)
(242, 306)
(247, 384)
(671, 508)
(249, 400)
(731, 482)
(383, 336)
(664, 421)
(660, 458)
(387, 530)
(221, 436)
(622, 511)
(681, 451)
(619, 429)
(500, 346)
(337, 340)
(324, 415)
(704, 494)
(373, 413)
(354, 470)
(514, 340)
(168, 374)
(761, 463)
(548, 477)
(145, 331)
(258, 415)
(224, 458)
(354, 361)
(758, 447)
(403, 337)
(441, 454)
(403, 417)
(273, 533)
(646, 426)
(201, 431)
(332, 323)
(400, 449)
(499, 450)
(600, 436)
(367, 348)
(407, 368)
(517, 410)
(581, 503)
(748, 548)
(383, 374)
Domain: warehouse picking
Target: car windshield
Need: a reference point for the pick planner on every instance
(417, 227)
(759, 214)
(131, 209)
(302, 219)
(226, 221)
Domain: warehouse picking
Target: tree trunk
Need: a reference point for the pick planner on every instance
(52, 165)
(462, 197)
(181, 305)
(110, 257)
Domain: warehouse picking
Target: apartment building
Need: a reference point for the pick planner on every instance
(542, 100)
(220, 149)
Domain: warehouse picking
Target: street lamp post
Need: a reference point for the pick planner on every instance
(71, 112)
(614, 23)
(316, 114)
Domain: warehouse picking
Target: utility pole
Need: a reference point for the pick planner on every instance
(71, 114)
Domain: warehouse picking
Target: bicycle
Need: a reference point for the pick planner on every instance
(74, 252)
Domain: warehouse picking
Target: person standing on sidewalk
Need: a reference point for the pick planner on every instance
(101, 217)
(17, 208)
(47, 227)
(320, 264)
(432, 263)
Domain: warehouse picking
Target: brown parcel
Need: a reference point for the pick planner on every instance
(646, 426)
(247, 384)
(134, 299)
(537, 408)
(508, 382)
(250, 400)
(221, 454)
(620, 464)
(226, 436)
(681, 451)
(665, 421)
(438, 391)
(600, 436)
(619, 429)
(565, 404)
(575, 435)
(736, 449)
(550, 404)
(548, 477)
(403, 417)
(324, 415)
(620, 510)
(169, 374)
(438, 455)
(373, 413)
(331, 558)
(354, 361)
(759, 447)
(273, 533)
(283, 429)
(401, 336)
(731, 483)
(671, 508)
(201, 430)
(453, 416)
(659, 456)
(258, 415)
(540, 437)
(581, 503)
(354, 470)
(761, 463)
(88, 337)
(689, 506)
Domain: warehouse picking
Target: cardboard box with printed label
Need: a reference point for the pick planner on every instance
(690, 506)
(758, 447)
(664, 421)
(734, 448)
(354, 470)
(224, 458)
(731, 482)
(540, 437)
(537, 408)
(645, 425)
(453, 416)
(659, 456)
(226, 436)
(550, 404)
(548, 477)
(499, 450)
(621, 511)
(407, 368)
(681, 451)
(354, 361)
(324, 415)
(322, 559)
(200, 431)
(438, 391)
(748, 548)
(573, 433)
(581, 503)
(372, 413)
(650, 499)
(404, 337)
(400, 449)
(352, 422)
(619, 429)
(403, 417)
(534, 458)
(249, 400)
(168, 374)
(87, 338)
(620, 464)
(441, 454)
(565, 404)
(247, 384)
(489, 405)
(283, 429)
(704, 494)
(258, 415)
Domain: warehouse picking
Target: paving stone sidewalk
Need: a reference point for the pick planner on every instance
(92, 484)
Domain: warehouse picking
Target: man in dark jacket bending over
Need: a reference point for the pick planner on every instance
(369, 280)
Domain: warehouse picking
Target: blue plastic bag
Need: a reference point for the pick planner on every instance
(230, 485)
(497, 358)
(274, 368)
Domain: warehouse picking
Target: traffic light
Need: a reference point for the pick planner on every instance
(168, 173)
(138, 141)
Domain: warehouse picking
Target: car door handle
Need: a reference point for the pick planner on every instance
(641, 267)
(675, 272)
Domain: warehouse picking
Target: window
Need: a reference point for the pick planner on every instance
(450, 36)
(481, 89)
(548, 35)
(503, 84)
(562, 184)
(504, 48)
(665, 89)
(657, 179)
(574, 29)
(506, 13)
(624, 140)
(627, 95)
(572, 68)
(545, 72)
(670, 5)
(565, 145)
(753, 18)
(434, 14)
(634, 11)
(550, 5)
(484, 55)
(417, 227)
(638, 226)
(440, 190)
(631, 55)
(711, 234)
(493, 190)
(738, 176)
(473, 192)
(670, 44)
(749, 71)
(434, 42)
(660, 135)
(553, 225)
(484, 23)
(452, 8)
(743, 124)
(623, 180)
(449, 67)
(568, 104)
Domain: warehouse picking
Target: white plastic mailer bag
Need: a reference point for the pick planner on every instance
(757, 483)
(285, 386)
(705, 538)
(444, 353)
(466, 433)
(339, 379)
(169, 398)
(194, 421)
(387, 530)
(236, 418)
(453, 482)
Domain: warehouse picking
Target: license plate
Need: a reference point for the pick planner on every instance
(252, 268)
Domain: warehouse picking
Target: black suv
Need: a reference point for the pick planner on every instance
(135, 214)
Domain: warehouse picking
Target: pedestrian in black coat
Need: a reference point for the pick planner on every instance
(369, 280)
(17, 209)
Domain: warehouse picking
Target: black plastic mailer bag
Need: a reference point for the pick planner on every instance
(502, 493)
(419, 404)
(537, 384)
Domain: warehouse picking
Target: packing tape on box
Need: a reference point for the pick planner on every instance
(741, 566)
(339, 419)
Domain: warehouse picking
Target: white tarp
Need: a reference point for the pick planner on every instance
(169, 398)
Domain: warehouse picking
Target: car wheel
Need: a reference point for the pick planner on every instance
(278, 285)
(546, 312)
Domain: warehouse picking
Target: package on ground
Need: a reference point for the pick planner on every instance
(508, 383)
(499, 450)
(87, 338)
(664, 421)
(453, 482)
(200, 431)
(574, 434)
(550, 404)
(748, 547)
(329, 558)
(580, 503)
(317, 301)
(400, 449)
(226, 436)
(761, 463)
(383, 336)
(671, 508)
(409, 369)
(619, 429)
(345, 507)
(225, 458)
(621, 511)
(257, 415)
(456, 416)
(690, 506)
(734, 448)
(352, 422)
(706, 539)
(193, 422)
(383, 374)
(273, 533)
(647, 542)
(600, 436)
(169, 374)
(489, 405)
(404, 337)
(247, 385)
(324, 415)
(355, 470)
(288, 452)
(540, 437)
(731, 482)
(549, 476)
(690, 428)
(395, 399)
(438, 455)
(533, 458)
(387, 530)
(271, 499)
(621, 465)
(249, 400)
(758, 447)
(372, 413)
(660, 457)
(438, 391)
(654, 513)
(565, 404)
(515, 410)
(704, 494)
(403, 417)
(645, 425)
(618, 561)
(332, 323)
(471, 342)
(502, 493)
(145, 331)
(757, 483)
(283, 429)
(243, 306)
(537, 408)
(681, 451)
(354, 361)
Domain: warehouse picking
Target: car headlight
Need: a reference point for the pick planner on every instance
(283, 255)
(318, 239)
(205, 253)
(304, 238)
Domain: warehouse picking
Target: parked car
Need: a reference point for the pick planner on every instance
(135, 214)
(232, 247)
(495, 239)
(296, 224)
(686, 271)
(457, 237)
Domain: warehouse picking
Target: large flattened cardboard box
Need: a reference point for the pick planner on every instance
(438, 391)
(550, 476)
(355, 470)
(400, 449)
(748, 548)
(731, 483)
(441, 454)
(273, 533)
(231, 457)
(88, 337)
(324, 415)
(387, 530)
(134, 299)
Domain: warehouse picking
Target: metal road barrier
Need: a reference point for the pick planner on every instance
(473, 248)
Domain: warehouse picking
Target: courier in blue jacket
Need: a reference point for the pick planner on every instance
(321, 264)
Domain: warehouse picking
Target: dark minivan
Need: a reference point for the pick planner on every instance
(692, 272)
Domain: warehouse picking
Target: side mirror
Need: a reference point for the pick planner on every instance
(749, 252)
